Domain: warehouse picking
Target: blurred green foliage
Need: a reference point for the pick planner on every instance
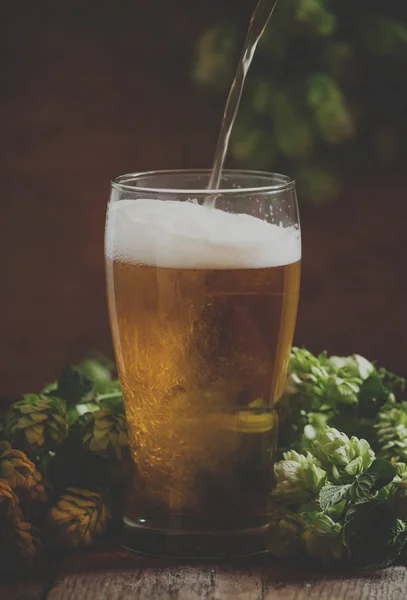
(326, 93)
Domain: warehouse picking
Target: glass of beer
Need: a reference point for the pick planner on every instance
(203, 304)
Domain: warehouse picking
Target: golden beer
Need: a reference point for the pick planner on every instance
(202, 356)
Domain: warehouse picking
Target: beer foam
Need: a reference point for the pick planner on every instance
(184, 235)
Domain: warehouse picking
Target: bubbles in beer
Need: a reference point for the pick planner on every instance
(184, 235)
(204, 305)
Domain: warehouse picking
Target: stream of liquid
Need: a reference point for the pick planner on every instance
(258, 23)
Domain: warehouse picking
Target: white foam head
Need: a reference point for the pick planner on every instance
(184, 235)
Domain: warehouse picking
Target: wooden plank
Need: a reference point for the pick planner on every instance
(122, 576)
(237, 582)
(289, 584)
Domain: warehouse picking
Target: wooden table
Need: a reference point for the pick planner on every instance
(122, 576)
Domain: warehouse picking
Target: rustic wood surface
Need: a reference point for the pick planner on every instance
(122, 576)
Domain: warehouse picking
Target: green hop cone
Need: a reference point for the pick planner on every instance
(339, 390)
(307, 376)
(391, 431)
(347, 374)
(284, 533)
(105, 433)
(304, 362)
(401, 469)
(37, 424)
(341, 457)
(322, 540)
(354, 366)
(19, 544)
(298, 477)
(77, 520)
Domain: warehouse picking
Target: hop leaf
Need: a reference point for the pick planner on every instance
(78, 519)
(37, 424)
(341, 457)
(373, 534)
(298, 476)
(380, 473)
(322, 540)
(391, 431)
(105, 433)
(19, 544)
(284, 533)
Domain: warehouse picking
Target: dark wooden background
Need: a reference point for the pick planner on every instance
(92, 89)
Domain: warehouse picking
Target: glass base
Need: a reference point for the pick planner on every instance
(193, 543)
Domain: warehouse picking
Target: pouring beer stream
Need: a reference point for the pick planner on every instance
(258, 23)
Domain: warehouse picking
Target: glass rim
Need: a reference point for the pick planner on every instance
(122, 182)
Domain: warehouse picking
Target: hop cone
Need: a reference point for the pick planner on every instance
(283, 537)
(19, 543)
(322, 540)
(299, 477)
(37, 423)
(8, 500)
(307, 376)
(15, 468)
(341, 457)
(105, 433)
(78, 518)
(354, 366)
(36, 492)
(391, 432)
(347, 375)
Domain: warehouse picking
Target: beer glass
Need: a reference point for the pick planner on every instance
(203, 304)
